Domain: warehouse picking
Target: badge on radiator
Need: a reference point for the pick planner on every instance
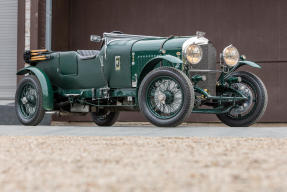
(118, 63)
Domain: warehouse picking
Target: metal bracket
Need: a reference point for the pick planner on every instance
(117, 63)
(135, 80)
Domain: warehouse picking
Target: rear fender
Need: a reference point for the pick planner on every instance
(47, 90)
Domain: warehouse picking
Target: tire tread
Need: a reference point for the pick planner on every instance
(187, 110)
(261, 109)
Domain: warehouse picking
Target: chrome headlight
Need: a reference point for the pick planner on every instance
(193, 53)
(230, 55)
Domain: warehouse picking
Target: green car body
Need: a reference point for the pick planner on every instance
(110, 78)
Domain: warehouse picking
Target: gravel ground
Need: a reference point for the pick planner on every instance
(142, 164)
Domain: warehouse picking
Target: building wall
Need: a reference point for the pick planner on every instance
(37, 24)
(257, 27)
(61, 24)
(8, 48)
(27, 24)
(20, 35)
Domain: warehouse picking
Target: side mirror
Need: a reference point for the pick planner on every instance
(95, 38)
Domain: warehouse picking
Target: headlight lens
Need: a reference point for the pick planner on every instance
(193, 54)
(231, 55)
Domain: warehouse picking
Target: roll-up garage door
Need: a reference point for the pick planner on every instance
(8, 48)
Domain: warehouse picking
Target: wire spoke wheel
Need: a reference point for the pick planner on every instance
(166, 97)
(28, 101)
(246, 113)
(242, 110)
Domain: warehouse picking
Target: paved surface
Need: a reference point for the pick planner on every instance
(8, 114)
(145, 130)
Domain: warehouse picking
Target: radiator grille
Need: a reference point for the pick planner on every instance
(208, 62)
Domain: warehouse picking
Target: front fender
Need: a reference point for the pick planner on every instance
(47, 90)
(244, 62)
(169, 58)
(150, 65)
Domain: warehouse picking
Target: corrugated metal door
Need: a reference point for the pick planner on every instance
(8, 48)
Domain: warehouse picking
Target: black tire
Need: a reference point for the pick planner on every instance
(35, 117)
(257, 109)
(105, 118)
(187, 100)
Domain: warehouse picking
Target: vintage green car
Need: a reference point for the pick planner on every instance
(166, 78)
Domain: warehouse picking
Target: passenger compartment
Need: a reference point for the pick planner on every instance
(68, 63)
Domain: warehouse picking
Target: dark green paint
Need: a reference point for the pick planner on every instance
(169, 58)
(83, 93)
(146, 51)
(119, 78)
(249, 63)
(219, 98)
(225, 75)
(68, 64)
(218, 110)
(47, 90)
(89, 93)
(89, 73)
(121, 65)
(124, 93)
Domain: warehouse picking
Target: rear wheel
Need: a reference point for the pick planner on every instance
(105, 118)
(166, 97)
(251, 110)
(28, 101)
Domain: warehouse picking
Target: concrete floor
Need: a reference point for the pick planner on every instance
(130, 129)
(9, 125)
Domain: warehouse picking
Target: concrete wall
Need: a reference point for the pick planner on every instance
(27, 24)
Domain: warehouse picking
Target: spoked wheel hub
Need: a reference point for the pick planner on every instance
(246, 112)
(165, 97)
(27, 100)
(246, 106)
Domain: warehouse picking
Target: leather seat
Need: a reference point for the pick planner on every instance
(88, 54)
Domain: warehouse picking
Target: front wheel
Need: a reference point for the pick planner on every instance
(28, 101)
(252, 109)
(166, 97)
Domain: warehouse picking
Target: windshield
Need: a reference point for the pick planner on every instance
(113, 36)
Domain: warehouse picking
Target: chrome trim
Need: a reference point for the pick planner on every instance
(105, 47)
(135, 81)
(93, 94)
(193, 40)
(130, 98)
(72, 95)
(223, 54)
(200, 33)
(101, 60)
(120, 36)
(110, 37)
(204, 70)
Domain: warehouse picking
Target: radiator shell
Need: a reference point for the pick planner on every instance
(206, 67)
